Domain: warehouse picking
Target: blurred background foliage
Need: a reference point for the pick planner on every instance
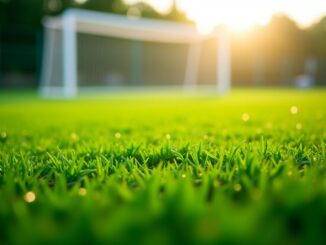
(271, 55)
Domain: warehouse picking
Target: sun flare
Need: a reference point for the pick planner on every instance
(238, 16)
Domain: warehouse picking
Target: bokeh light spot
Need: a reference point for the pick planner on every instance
(294, 110)
(298, 126)
(245, 117)
(82, 191)
(237, 187)
(30, 197)
(74, 137)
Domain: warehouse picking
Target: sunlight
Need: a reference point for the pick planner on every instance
(236, 15)
(241, 15)
(204, 27)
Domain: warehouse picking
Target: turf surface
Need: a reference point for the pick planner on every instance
(248, 168)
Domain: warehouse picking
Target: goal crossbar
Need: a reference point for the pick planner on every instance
(120, 26)
(74, 21)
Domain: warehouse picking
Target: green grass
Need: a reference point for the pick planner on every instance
(164, 169)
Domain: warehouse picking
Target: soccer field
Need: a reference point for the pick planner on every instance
(159, 168)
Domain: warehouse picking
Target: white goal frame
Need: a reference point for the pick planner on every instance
(74, 21)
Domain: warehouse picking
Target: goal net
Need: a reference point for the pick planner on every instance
(86, 49)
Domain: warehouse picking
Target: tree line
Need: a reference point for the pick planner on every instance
(279, 45)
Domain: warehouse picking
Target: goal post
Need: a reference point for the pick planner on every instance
(83, 47)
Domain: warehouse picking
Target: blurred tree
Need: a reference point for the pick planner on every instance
(272, 55)
(176, 14)
(20, 42)
(113, 6)
(148, 11)
(21, 12)
(57, 6)
(317, 34)
(278, 48)
(283, 37)
(143, 9)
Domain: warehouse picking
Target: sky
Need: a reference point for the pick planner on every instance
(242, 14)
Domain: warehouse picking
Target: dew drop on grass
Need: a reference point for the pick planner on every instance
(74, 137)
(298, 126)
(3, 135)
(245, 117)
(30, 197)
(294, 110)
(82, 191)
(237, 187)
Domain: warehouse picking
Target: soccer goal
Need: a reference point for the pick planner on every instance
(86, 49)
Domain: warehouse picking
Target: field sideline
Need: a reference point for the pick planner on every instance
(141, 168)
